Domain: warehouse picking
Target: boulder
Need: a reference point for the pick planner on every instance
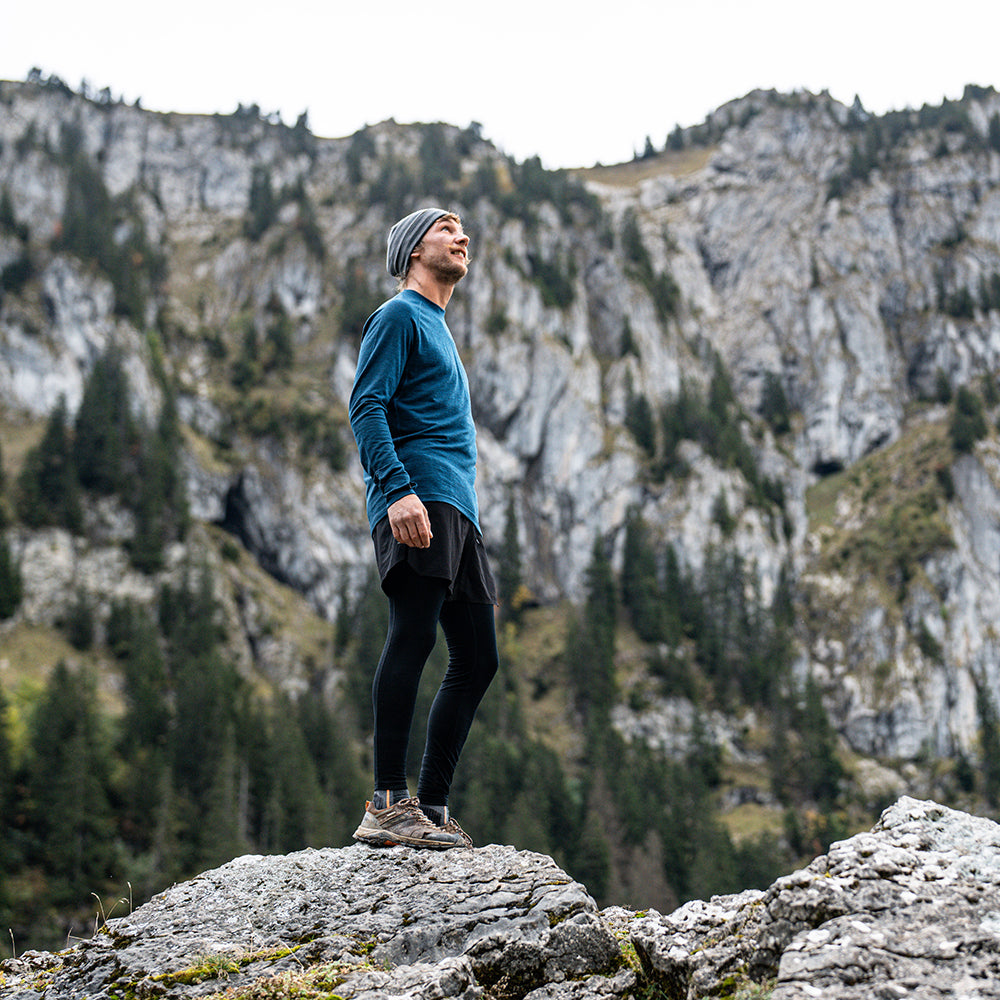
(911, 908)
(391, 922)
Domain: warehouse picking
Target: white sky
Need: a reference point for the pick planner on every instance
(574, 83)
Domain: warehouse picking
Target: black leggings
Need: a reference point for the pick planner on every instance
(416, 605)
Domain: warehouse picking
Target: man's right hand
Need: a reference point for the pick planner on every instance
(410, 523)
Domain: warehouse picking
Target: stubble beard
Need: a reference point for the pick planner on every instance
(447, 268)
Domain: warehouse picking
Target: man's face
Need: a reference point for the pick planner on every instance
(444, 250)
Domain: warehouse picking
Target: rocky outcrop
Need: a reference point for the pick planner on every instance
(911, 908)
(392, 922)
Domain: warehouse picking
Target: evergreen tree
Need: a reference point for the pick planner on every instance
(68, 786)
(11, 585)
(161, 508)
(337, 764)
(639, 421)
(509, 581)
(108, 231)
(590, 646)
(774, 406)
(146, 721)
(221, 833)
(294, 812)
(79, 624)
(968, 423)
(369, 620)
(48, 492)
(105, 433)
(263, 207)
(6, 792)
(640, 590)
(819, 770)
(989, 740)
(145, 726)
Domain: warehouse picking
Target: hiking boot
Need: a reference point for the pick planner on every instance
(443, 820)
(452, 827)
(404, 822)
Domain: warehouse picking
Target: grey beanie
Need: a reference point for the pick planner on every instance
(405, 235)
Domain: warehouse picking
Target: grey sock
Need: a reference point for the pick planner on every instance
(381, 798)
(438, 815)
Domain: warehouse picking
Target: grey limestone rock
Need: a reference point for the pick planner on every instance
(396, 922)
(911, 908)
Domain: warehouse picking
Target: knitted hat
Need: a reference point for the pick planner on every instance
(405, 235)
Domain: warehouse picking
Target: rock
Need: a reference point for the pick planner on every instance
(911, 908)
(395, 922)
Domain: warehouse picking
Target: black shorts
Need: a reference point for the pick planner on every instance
(456, 554)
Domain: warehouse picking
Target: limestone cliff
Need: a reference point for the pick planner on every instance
(849, 272)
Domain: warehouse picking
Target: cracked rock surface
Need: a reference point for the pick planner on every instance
(909, 909)
(413, 923)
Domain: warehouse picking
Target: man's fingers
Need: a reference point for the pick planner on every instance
(409, 522)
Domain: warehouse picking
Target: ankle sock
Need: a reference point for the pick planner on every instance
(382, 798)
(438, 815)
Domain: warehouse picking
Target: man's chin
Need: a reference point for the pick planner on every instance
(452, 272)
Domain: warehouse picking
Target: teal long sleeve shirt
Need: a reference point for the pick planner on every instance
(410, 410)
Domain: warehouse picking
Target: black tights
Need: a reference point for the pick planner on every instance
(416, 605)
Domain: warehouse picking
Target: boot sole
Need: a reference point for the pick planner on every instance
(380, 838)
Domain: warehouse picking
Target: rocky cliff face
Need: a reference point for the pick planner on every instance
(851, 271)
(911, 908)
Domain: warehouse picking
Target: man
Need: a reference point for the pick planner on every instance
(412, 420)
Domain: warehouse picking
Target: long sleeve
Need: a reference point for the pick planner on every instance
(381, 363)
(410, 410)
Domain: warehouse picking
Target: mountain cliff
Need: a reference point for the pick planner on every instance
(769, 352)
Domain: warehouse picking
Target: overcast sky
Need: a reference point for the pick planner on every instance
(574, 83)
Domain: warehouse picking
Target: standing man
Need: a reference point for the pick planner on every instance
(412, 420)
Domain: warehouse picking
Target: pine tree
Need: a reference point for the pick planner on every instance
(105, 432)
(11, 585)
(337, 763)
(774, 406)
(221, 833)
(294, 813)
(68, 785)
(989, 739)
(819, 769)
(590, 645)
(509, 567)
(48, 492)
(639, 421)
(263, 207)
(6, 789)
(369, 619)
(146, 722)
(640, 590)
(968, 423)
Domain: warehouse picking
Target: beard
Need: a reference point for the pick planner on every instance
(447, 268)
